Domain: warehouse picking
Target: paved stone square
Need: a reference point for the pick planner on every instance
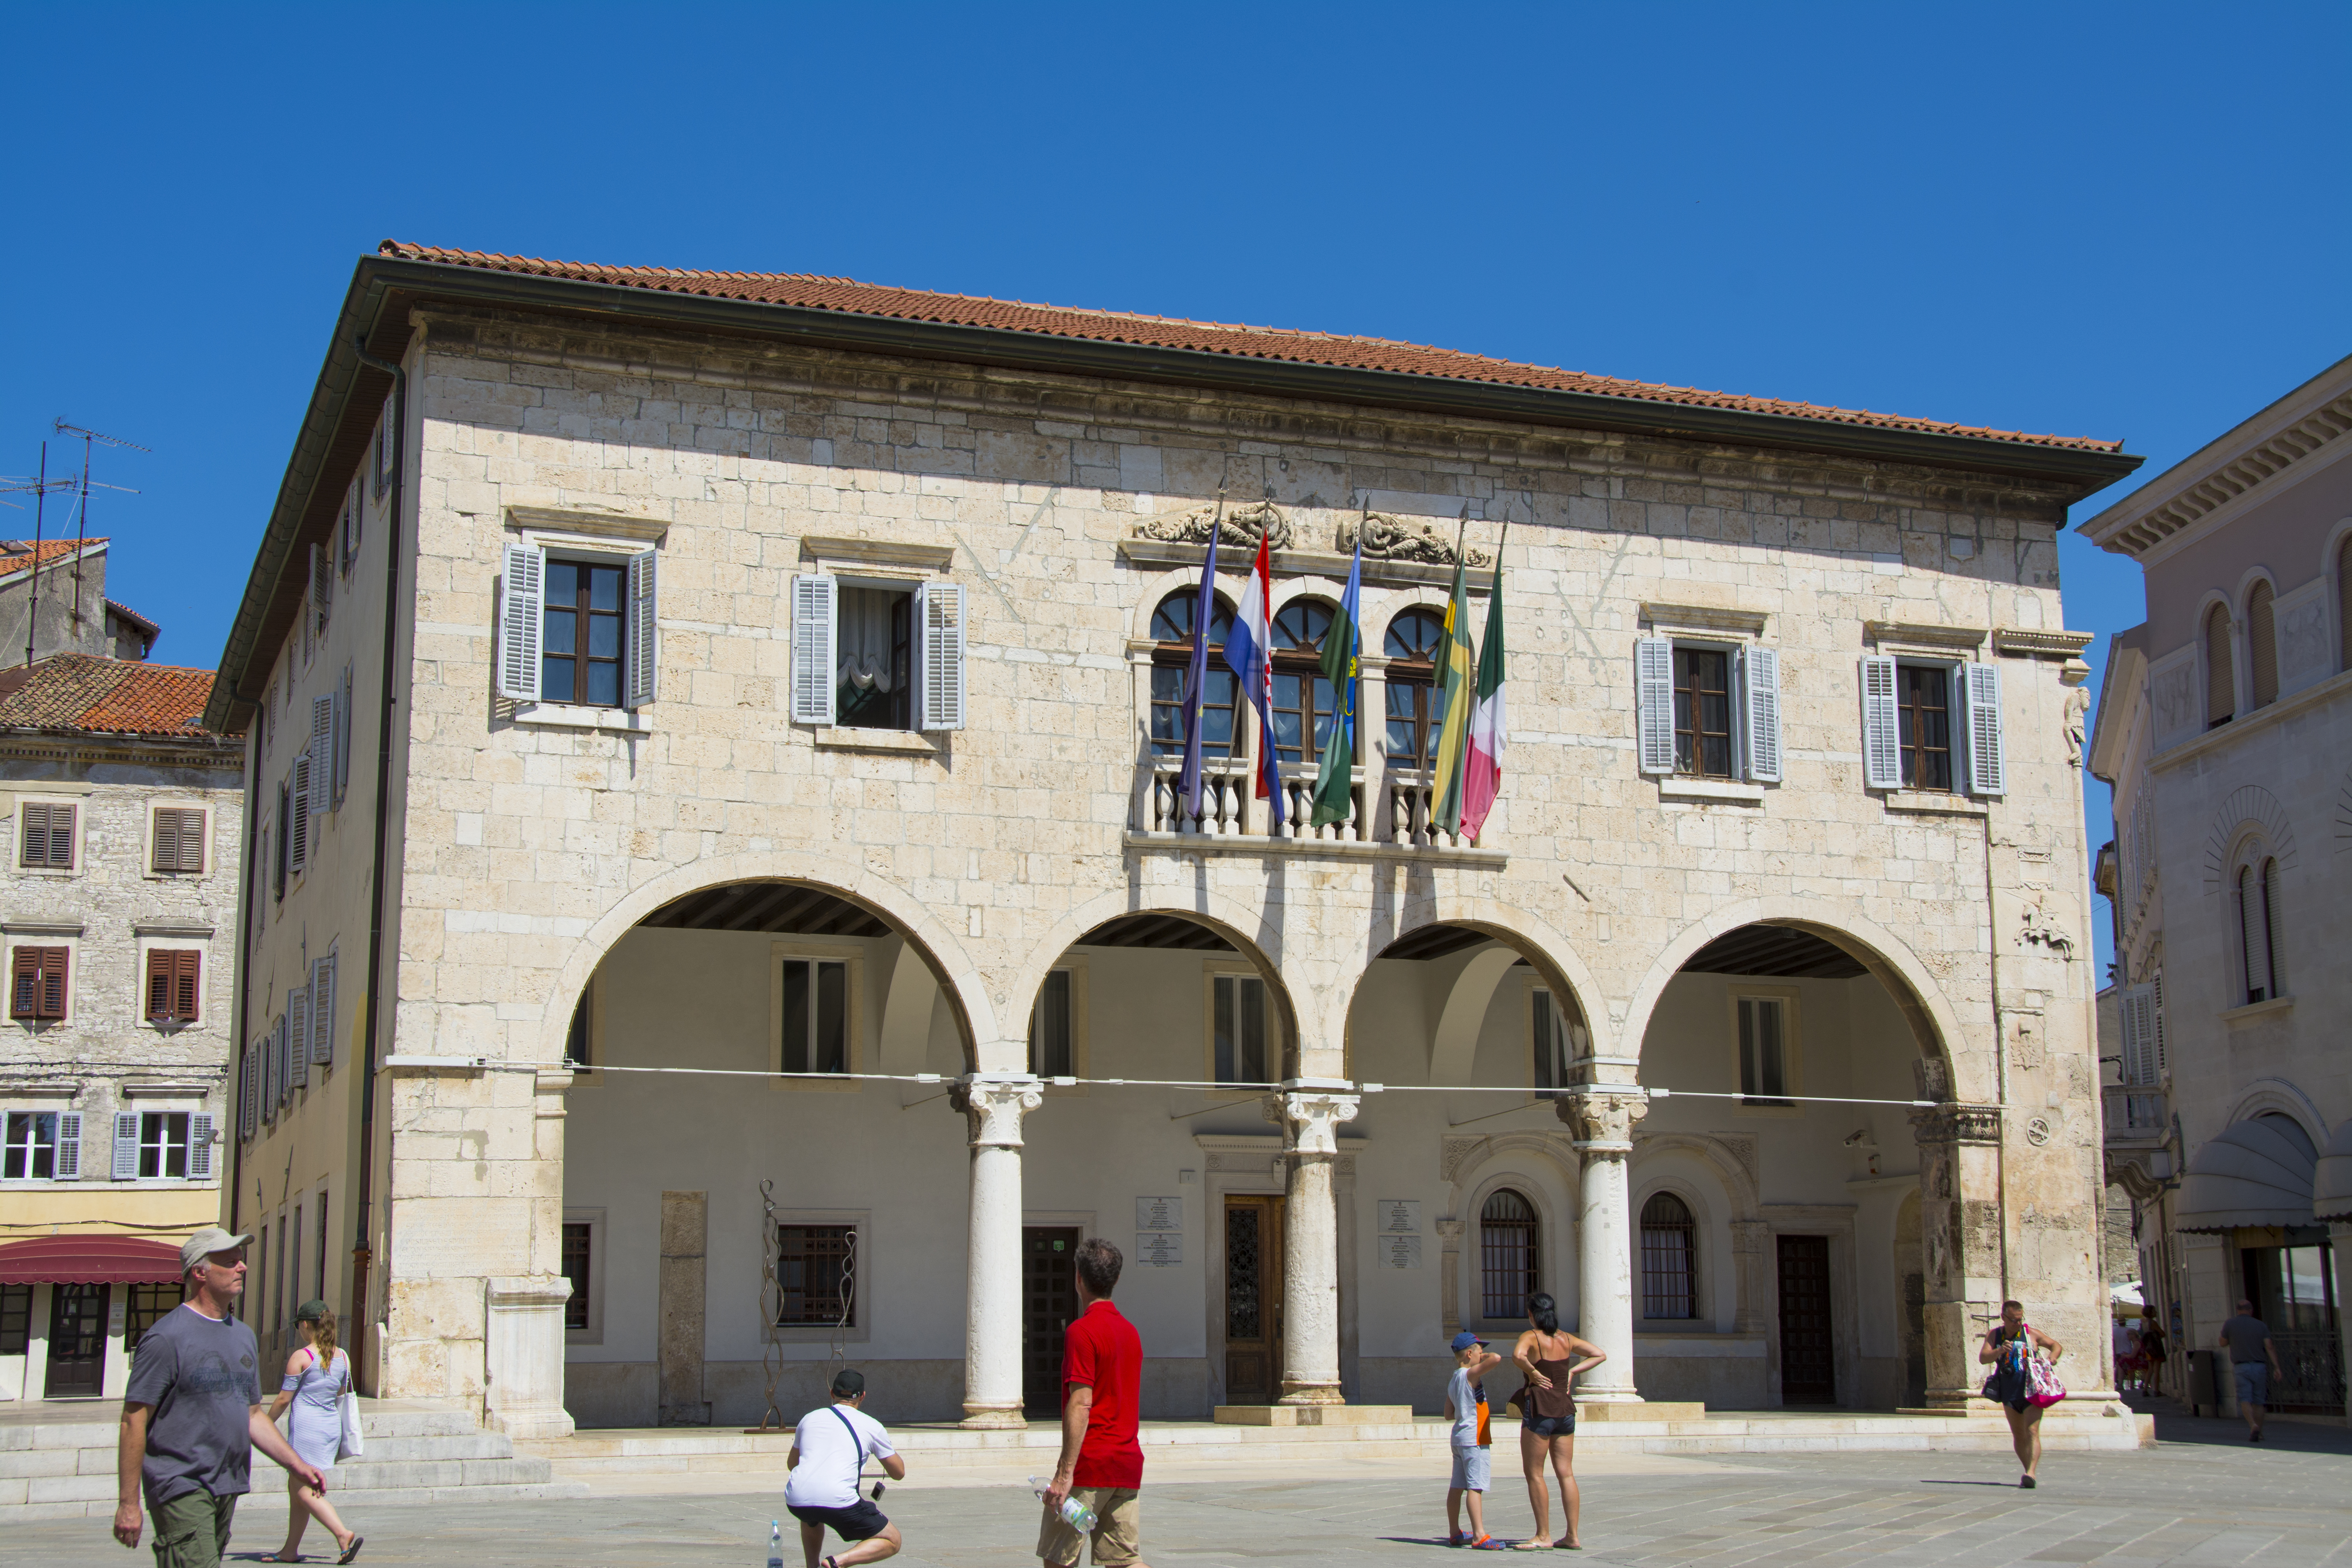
(2204, 1496)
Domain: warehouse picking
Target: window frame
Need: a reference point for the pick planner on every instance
(40, 1013)
(47, 868)
(1692, 1232)
(1178, 657)
(1733, 733)
(1304, 664)
(1909, 751)
(189, 955)
(1211, 972)
(204, 867)
(583, 608)
(32, 1145)
(1788, 1103)
(1075, 967)
(1534, 1273)
(591, 1301)
(152, 1123)
(584, 542)
(2228, 675)
(2257, 872)
(782, 951)
(870, 1270)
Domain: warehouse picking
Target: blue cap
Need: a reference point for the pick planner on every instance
(1464, 1340)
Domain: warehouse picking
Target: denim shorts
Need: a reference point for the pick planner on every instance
(1473, 1468)
(1551, 1426)
(2253, 1382)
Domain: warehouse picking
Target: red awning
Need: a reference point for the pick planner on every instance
(89, 1260)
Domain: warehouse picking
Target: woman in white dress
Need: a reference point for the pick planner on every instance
(316, 1378)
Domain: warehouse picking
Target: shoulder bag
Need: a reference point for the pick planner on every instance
(352, 1443)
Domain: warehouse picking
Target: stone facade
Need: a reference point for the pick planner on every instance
(532, 843)
(2225, 729)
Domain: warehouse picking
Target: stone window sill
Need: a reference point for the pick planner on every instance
(567, 716)
(1721, 790)
(1934, 803)
(2252, 1011)
(900, 742)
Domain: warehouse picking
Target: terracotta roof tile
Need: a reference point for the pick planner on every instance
(853, 297)
(105, 696)
(16, 554)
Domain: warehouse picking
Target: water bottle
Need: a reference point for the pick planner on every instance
(1074, 1514)
(775, 1543)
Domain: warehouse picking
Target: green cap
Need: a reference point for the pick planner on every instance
(311, 1311)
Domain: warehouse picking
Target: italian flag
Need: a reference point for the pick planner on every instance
(1483, 769)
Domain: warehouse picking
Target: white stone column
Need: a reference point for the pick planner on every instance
(1310, 1112)
(522, 1360)
(994, 1105)
(1602, 1118)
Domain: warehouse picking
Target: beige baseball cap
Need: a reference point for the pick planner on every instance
(207, 1242)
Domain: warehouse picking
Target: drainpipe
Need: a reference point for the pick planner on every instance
(360, 1252)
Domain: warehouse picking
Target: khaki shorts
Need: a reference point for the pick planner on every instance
(192, 1529)
(1118, 1528)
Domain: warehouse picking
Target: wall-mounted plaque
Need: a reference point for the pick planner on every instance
(1159, 1214)
(1399, 1251)
(1160, 1248)
(1399, 1216)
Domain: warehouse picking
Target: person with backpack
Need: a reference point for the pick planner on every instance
(2022, 1382)
(828, 1456)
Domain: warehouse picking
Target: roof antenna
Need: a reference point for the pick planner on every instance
(81, 511)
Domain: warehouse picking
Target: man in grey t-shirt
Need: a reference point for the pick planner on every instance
(2254, 1359)
(193, 1413)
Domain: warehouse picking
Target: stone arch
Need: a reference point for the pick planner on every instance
(2279, 1096)
(1518, 1161)
(2247, 808)
(959, 979)
(1935, 1026)
(1255, 933)
(1453, 1044)
(1155, 589)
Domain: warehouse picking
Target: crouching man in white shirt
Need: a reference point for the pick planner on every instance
(829, 1451)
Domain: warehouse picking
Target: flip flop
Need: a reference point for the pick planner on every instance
(354, 1548)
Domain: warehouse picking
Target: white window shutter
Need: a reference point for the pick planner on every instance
(816, 620)
(644, 633)
(522, 593)
(1761, 667)
(297, 1044)
(298, 815)
(248, 1093)
(1882, 734)
(269, 1071)
(939, 656)
(2134, 1048)
(199, 1147)
(323, 584)
(1653, 703)
(2156, 1017)
(343, 736)
(322, 1011)
(323, 750)
(126, 1146)
(1988, 770)
(69, 1163)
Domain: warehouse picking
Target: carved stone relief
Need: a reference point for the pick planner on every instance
(1391, 537)
(1243, 526)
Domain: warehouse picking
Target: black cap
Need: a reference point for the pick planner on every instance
(849, 1382)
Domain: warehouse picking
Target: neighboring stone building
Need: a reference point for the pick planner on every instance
(56, 591)
(2225, 727)
(782, 676)
(124, 847)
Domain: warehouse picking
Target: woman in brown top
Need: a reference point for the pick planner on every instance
(1550, 1359)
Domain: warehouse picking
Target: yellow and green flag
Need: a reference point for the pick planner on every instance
(1456, 673)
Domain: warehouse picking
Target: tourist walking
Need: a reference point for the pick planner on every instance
(2153, 1349)
(2254, 1361)
(191, 1415)
(1101, 1463)
(1473, 1440)
(1551, 1358)
(311, 1400)
(827, 1457)
(2010, 1348)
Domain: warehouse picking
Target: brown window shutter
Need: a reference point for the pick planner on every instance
(49, 836)
(25, 984)
(179, 840)
(53, 981)
(159, 983)
(183, 985)
(37, 836)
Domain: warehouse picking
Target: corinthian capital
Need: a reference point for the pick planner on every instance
(1312, 1118)
(993, 1106)
(1601, 1119)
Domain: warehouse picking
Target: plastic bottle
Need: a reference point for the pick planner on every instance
(1074, 1514)
(775, 1543)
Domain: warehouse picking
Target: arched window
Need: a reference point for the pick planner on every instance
(1413, 719)
(2261, 645)
(2258, 927)
(2221, 680)
(1508, 1267)
(1302, 697)
(1668, 1286)
(1172, 662)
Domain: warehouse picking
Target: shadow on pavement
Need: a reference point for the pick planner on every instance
(2175, 1424)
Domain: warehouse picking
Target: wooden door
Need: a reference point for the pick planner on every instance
(1808, 1375)
(77, 1341)
(1049, 1300)
(1253, 1300)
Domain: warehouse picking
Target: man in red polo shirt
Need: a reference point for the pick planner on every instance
(1102, 1462)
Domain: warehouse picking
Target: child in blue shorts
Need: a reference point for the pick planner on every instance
(1466, 1406)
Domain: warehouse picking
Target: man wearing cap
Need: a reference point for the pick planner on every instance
(1466, 1406)
(193, 1413)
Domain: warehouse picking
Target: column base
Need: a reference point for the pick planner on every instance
(1587, 1395)
(995, 1417)
(1310, 1393)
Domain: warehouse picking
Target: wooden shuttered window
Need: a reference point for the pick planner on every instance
(323, 1010)
(171, 984)
(1882, 726)
(37, 982)
(199, 1147)
(179, 835)
(47, 840)
(1653, 703)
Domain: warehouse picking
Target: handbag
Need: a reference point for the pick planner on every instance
(353, 1444)
(2043, 1387)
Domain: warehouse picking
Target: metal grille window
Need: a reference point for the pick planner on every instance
(1414, 723)
(1703, 713)
(1050, 1054)
(1509, 1268)
(1922, 695)
(580, 656)
(1171, 664)
(816, 1275)
(1668, 1288)
(577, 1236)
(816, 1015)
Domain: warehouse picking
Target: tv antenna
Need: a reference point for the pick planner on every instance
(81, 509)
(39, 488)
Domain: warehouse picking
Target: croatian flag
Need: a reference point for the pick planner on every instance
(1249, 650)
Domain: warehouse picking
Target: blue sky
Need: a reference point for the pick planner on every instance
(2121, 221)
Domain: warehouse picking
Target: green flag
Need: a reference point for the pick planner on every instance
(1456, 674)
(1335, 785)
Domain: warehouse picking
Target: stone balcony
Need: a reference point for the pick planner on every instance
(1390, 813)
(2137, 1140)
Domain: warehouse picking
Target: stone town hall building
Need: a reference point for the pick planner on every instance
(761, 675)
